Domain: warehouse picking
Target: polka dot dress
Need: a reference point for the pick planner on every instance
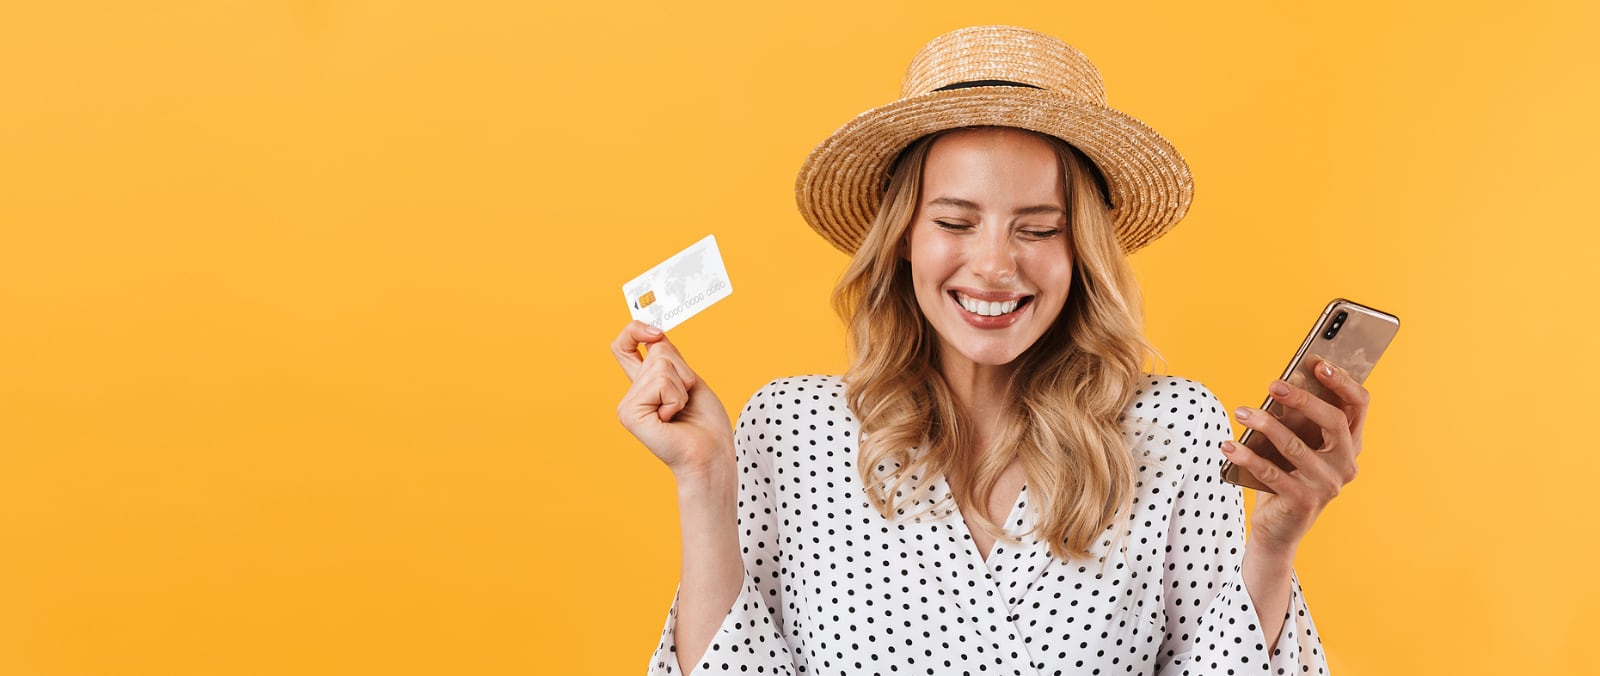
(833, 587)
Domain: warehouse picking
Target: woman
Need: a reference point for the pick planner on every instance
(995, 485)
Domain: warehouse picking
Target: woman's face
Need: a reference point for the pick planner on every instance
(989, 246)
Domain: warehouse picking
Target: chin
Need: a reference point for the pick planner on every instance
(992, 355)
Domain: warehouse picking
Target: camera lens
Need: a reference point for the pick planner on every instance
(1333, 326)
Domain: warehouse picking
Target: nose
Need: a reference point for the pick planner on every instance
(995, 258)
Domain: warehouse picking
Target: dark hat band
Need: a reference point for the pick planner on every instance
(985, 83)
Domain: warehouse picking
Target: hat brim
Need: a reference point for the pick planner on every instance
(840, 187)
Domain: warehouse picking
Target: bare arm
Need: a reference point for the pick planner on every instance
(677, 416)
(1267, 577)
(712, 567)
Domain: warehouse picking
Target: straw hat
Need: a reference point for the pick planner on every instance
(996, 76)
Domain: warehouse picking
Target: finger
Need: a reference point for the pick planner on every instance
(1353, 394)
(656, 394)
(626, 347)
(674, 398)
(663, 350)
(1333, 421)
(1265, 470)
(1319, 472)
(1289, 445)
(1297, 501)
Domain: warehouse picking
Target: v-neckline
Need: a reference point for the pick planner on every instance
(1017, 510)
(987, 596)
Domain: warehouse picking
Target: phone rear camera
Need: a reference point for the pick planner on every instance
(1333, 326)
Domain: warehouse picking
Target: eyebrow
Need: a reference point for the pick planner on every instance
(968, 204)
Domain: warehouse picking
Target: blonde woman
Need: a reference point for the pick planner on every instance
(995, 485)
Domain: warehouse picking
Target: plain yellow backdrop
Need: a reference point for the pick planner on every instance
(304, 306)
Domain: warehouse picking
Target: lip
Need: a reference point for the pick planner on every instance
(986, 322)
(991, 296)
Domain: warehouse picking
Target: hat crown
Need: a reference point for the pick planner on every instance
(1005, 53)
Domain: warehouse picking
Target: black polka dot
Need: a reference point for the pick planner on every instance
(833, 587)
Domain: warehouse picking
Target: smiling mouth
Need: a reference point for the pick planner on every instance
(988, 308)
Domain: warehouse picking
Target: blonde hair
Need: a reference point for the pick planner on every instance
(1070, 388)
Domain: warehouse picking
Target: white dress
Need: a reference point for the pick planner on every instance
(833, 587)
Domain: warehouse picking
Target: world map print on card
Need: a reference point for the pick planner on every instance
(680, 287)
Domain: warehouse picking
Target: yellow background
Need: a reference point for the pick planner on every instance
(304, 306)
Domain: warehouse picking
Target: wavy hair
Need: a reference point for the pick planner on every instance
(1070, 388)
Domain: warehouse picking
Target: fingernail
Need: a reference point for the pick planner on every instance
(1241, 413)
(1327, 368)
(1227, 447)
(1278, 388)
(652, 330)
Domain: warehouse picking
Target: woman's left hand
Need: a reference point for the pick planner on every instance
(1321, 469)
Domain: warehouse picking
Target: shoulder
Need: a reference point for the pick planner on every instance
(797, 396)
(795, 392)
(794, 411)
(1177, 422)
(1172, 398)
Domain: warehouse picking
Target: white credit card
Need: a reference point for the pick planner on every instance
(680, 286)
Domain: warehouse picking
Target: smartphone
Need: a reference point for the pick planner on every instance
(1350, 335)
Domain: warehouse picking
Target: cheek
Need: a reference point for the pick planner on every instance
(1052, 271)
(932, 260)
(1064, 277)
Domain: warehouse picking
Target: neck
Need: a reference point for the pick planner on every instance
(982, 393)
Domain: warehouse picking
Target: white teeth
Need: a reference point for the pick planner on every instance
(985, 307)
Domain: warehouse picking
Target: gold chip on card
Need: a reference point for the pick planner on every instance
(645, 300)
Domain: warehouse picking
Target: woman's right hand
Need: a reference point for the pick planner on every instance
(669, 408)
(677, 417)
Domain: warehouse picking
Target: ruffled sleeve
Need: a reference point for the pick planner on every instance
(748, 640)
(1211, 625)
(751, 638)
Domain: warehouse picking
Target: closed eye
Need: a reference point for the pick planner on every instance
(952, 226)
